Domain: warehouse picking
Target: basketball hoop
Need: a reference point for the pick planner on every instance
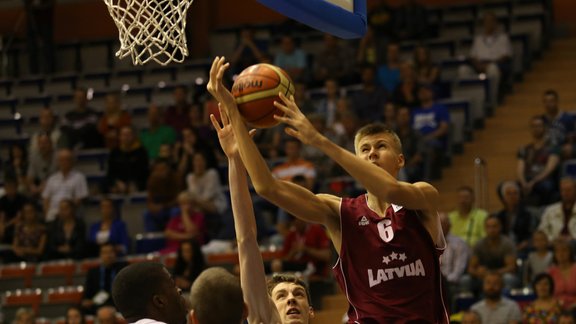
(151, 30)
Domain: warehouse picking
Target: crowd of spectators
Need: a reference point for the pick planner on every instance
(174, 159)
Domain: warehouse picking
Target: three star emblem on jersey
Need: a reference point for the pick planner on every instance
(363, 221)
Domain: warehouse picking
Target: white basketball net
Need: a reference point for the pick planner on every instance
(151, 29)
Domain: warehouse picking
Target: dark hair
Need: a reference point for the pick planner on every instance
(216, 297)
(493, 216)
(288, 278)
(551, 92)
(134, 287)
(544, 276)
(467, 189)
(77, 308)
(195, 267)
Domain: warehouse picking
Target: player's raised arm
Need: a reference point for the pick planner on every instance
(284, 194)
(261, 309)
(376, 174)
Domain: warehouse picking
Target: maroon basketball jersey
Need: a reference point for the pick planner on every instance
(388, 267)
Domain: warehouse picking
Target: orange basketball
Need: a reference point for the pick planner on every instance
(256, 89)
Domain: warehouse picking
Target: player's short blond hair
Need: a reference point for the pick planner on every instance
(375, 129)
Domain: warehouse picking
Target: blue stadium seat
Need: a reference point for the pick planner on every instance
(150, 242)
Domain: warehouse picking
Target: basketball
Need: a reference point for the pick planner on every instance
(256, 89)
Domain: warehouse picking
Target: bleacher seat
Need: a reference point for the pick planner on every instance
(88, 264)
(149, 242)
(169, 260)
(21, 297)
(20, 274)
(55, 273)
(95, 56)
(150, 257)
(26, 87)
(475, 91)
(67, 58)
(59, 299)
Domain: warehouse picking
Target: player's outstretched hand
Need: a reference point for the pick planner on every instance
(300, 126)
(215, 85)
(226, 134)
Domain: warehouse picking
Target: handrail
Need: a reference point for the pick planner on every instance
(480, 183)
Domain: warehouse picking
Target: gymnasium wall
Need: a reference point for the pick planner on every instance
(90, 20)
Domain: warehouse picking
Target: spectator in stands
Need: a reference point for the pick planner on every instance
(536, 165)
(204, 186)
(98, 283)
(515, 219)
(490, 55)
(268, 141)
(495, 252)
(66, 183)
(389, 72)
(368, 51)
(559, 123)
(198, 119)
(453, 260)
(110, 229)
(162, 189)
(324, 166)
(80, 124)
(495, 308)
(302, 99)
(471, 317)
(333, 61)
(17, 165)
(306, 249)
(127, 165)
(564, 274)
(106, 315)
(249, 51)
(157, 133)
(146, 292)
(24, 316)
(295, 164)
(293, 60)
(468, 221)
(186, 225)
(74, 315)
(566, 318)
(381, 22)
(546, 308)
(327, 106)
(185, 149)
(368, 102)
(411, 21)
(190, 263)
(412, 146)
(426, 71)
(390, 115)
(113, 120)
(67, 233)
(42, 164)
(10, 205)
(559, 219)
(29, 236)
(47, 127)
(206, 192)
(540, 259)
(432, 120)
(176, 115)
(406, 92)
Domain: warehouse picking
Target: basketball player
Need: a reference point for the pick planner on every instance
(145, 293)
(388, 240)
(285, 299)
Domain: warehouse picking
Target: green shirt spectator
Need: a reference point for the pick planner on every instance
(157, 133)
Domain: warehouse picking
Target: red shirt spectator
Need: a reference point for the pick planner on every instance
(306, 243)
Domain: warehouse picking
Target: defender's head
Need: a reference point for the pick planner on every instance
(291, 297)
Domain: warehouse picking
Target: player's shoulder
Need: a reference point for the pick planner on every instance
(426, 188)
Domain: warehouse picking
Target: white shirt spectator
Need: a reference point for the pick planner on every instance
(491, 47)
(58, 188)
(454, 259)
(552, 221)
(505, 311)
(207, 187)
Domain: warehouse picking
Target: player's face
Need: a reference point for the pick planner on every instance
(381, 150)
(292, 304)
(177, 307)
